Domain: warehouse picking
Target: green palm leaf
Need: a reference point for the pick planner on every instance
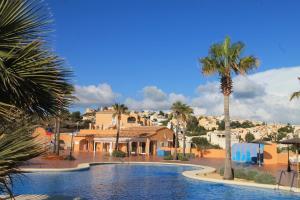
(15, 147)
(295, 95)
(34, 80)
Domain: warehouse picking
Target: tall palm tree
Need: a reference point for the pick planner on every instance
(34, 82)
(295, 94)
(119, 109)
(181, 112)
(224, 59)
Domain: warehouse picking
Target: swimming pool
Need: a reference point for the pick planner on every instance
(136, 181)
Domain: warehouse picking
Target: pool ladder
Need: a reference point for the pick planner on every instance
(292, 182)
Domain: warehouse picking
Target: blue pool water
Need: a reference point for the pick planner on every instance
(132, 182)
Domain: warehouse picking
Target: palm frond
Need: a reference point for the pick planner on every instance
(16, 147)
(22, 21)
(209, 66)
(295, 95)
(181, 111)
(225, 58)
(35, 81)
(246, 64)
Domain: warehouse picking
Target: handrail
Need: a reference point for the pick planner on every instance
(293, 179)
(280, 177)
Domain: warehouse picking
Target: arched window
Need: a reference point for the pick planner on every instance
(131, 120)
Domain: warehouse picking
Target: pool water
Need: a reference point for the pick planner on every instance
(131, 182)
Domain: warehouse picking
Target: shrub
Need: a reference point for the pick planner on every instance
(187, 155)
(240, 173)
(265, 178)
(249, 137)
(169, 157)
(222, 171)
(182, 158)
(252, 175)
(118, 154)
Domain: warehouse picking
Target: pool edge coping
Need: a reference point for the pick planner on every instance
(195, 175)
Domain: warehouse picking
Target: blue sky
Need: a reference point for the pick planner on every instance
(132, 44)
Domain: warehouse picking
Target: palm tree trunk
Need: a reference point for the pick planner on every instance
(176, 141)
(183, 151)
(228, 171)
(57, 136)
(118, 135)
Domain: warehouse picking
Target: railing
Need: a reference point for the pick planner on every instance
(293, 179)
(280, 177)
(294, 174)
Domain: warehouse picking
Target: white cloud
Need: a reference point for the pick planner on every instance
(90, 95)
(261, 96)
(154, 99)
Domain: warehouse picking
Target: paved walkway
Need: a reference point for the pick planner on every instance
(91, 157)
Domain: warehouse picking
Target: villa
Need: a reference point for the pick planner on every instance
(138, 136)
(133, 140)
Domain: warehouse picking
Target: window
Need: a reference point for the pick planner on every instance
(131, 120)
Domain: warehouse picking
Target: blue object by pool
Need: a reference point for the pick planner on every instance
(162, 153)
(134, 182)
(247, 152)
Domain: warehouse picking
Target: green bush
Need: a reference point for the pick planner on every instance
(222, 171)
(187, 155)
(182, 158)
(240, 173)
(118, 154)
(169, 157)
(252, 175)
(265, 178)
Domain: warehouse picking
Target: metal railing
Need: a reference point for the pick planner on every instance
(294, 174)
(280, 177)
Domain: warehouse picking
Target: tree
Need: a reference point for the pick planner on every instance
(119, 109)
(201, 143)
(193, 128)
(34, 82)
(161, 113)
(249, 137)
(76, 116)
(223, 59)
(283, 132)
(181, 112)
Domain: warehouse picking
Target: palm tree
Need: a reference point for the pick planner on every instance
(119, 109)
(295, 94)
(34, 82)
(224, 59)
(181, 112)
(33, 79)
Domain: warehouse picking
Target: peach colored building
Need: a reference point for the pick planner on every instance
(105, 120)
(133, 140)
(136, 134)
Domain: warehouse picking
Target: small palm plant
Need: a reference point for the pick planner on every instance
(119, 109)
(224, 59)
(181, 112)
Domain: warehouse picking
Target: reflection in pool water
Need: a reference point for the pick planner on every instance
(130, 182)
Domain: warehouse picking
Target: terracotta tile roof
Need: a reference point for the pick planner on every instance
(138, 131)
